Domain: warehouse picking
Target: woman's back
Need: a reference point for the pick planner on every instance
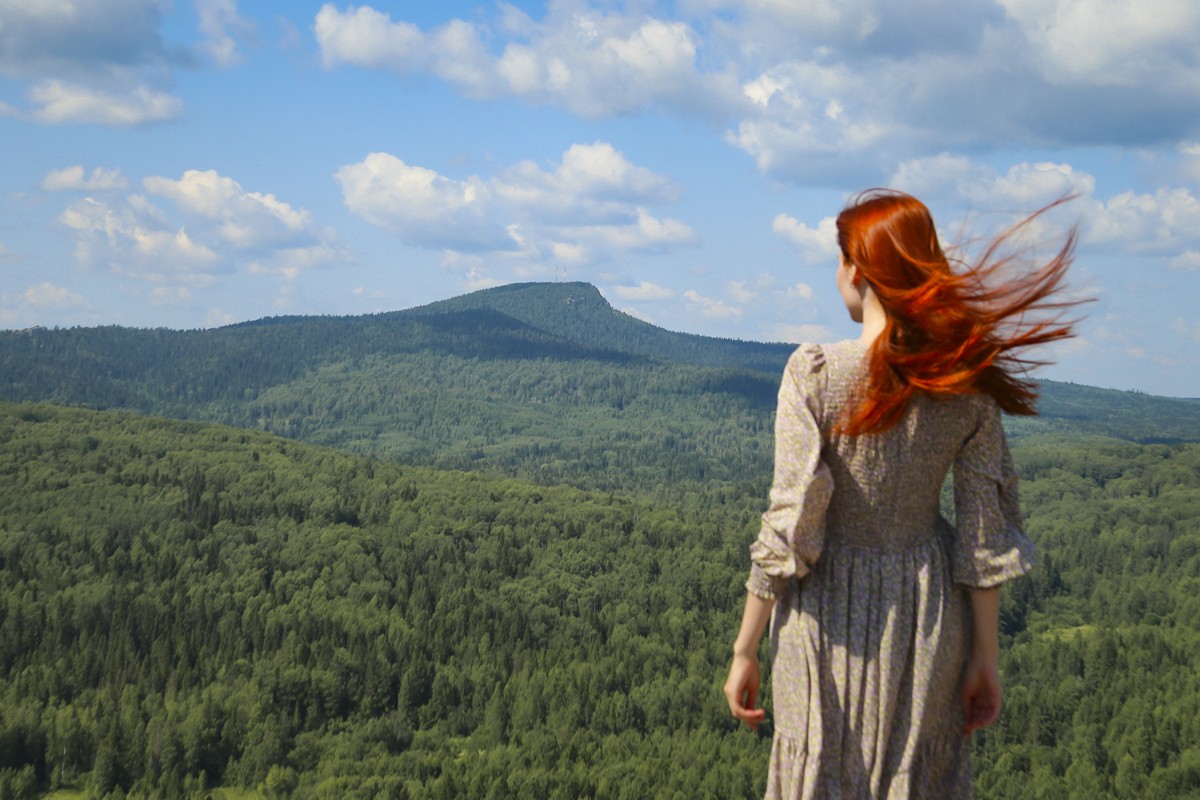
(884, 617)
(871, 629)
(887, 485)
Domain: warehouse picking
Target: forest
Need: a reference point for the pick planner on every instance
(450, 564)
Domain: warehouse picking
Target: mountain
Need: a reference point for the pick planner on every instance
(578, 313)
(544, 381)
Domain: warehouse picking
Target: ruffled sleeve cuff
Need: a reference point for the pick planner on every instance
(982, 567)
(769, 572)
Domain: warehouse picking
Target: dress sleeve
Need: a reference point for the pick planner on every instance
(793, 528)
(990, 546)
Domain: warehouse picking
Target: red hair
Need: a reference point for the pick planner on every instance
(947, 332)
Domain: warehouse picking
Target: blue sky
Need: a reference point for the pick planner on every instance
(200, 162)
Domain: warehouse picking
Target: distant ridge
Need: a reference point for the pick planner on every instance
(577, 312)
(244, 373)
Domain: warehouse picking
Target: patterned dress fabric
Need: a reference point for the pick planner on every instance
(872, 624)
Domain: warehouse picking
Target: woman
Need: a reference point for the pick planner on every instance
(884, 633)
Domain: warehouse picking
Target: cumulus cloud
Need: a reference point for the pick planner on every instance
(594, 205)
(1118, 43)
(95, 63)
(1165, 222)
(74, 179)
(48, 296)
(817, 244)
(209, 226)
(1161, 223)
(238, 218)
(421, 206)
(824, 91)
(800, 291)
(710, 306)
(592, 63)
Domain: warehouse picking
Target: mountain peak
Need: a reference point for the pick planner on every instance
(578, 312)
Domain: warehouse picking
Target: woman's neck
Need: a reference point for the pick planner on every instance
(874, 318)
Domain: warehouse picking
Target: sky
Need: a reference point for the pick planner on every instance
(195, 163)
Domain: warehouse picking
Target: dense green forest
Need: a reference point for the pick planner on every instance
(189, 606)
(500, 553)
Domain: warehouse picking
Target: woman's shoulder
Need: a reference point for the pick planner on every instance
(811, 358)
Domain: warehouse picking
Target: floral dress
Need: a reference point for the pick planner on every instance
(871, 630)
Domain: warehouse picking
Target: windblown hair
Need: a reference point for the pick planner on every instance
(948, 331)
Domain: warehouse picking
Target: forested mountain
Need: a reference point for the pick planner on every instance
(188, 606)
(541, 381)
(578, 313)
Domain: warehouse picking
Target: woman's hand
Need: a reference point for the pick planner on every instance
(980, 694)
(741, 690)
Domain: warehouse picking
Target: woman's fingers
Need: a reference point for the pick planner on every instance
(741, 691)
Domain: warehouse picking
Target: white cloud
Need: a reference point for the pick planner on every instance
(48, 296)
(211, 226)
(643, 292)
(711, 307)
(7, 254)
(61, 102)
(93, 63)
(74, 179)
(592, 63)
(740, 292)
(592, 207)
(646, 233)
(222, 25)
(824, 91)
(244, 220)
(364, 37)
(421, 206)
(1164, 222)
(801, 291)
(817, 244)
(1110, 42)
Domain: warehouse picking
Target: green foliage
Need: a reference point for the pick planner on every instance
(185, 606)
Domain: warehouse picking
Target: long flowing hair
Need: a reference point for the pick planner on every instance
(949, 331)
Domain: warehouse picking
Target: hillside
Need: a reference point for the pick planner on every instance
(185, 605)
(578, 313)
(541, 381)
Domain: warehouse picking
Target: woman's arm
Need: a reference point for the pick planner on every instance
(744, 681)
(981, 680)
